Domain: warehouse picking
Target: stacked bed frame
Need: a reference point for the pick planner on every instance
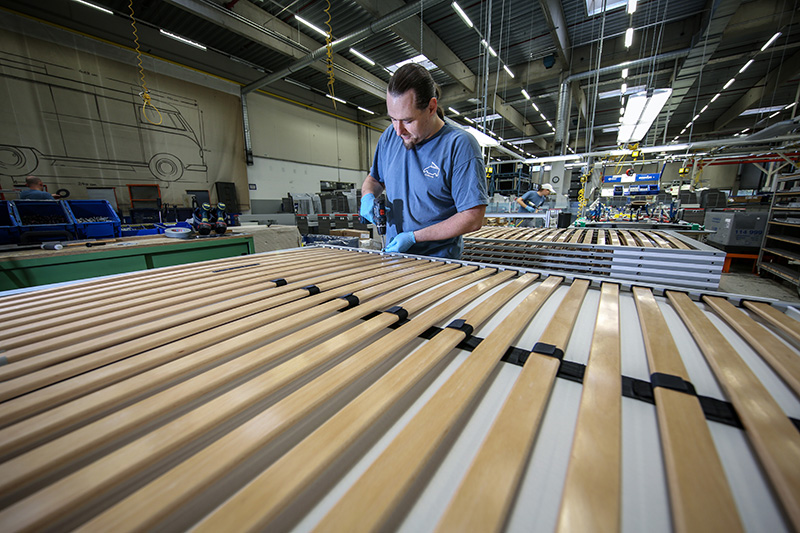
(328, 389)
(649, 256)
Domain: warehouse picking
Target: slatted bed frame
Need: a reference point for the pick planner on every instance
(650, 256)
(328, 389)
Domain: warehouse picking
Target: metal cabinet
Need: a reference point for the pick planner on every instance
(780, 250)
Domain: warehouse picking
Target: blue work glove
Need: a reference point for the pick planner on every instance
(401, 242)
(530, 209)
(367, 204)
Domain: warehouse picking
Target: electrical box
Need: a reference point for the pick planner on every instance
(736, 229)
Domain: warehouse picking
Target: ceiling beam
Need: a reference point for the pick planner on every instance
(246, 20)
(432, 46)
(784, 72)
(554, 15)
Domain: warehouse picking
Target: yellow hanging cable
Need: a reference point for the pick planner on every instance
(145, 94)
(328, 39)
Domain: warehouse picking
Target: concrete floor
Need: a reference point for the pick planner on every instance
(750, 284)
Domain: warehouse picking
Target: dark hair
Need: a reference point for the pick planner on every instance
(32, 180)
(414, 76)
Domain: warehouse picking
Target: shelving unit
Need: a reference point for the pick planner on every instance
(780, 251)
(510, 178)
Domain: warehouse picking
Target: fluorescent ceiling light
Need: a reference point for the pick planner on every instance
(184, 40)
(641, 111)
(365, 110)
(621, 110)
(696, 117)
(313, 27)
(89, 4)
(730, 82)
(631, 7)
(715, 97)
(461, 14)
(548, 123)
(745, 66)
(771, 40)
(361, 56)
(453, 111)
(482, 138)
(505, 67)
(791, 105)
(673, 148)
(487, 118)
(486, 45)
(542, 115)
(704, 109)
(469, 120)
(745, 130)
(761, 110)
(775, 114)
(521, 141)
(623, 88)
(526, 95)
(420, 59)
(612, 129)
(335, 98)
(616, 92)
(628, 37)
(535, 106)
(624, 73)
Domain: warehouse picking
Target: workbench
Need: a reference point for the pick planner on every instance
(28, 268)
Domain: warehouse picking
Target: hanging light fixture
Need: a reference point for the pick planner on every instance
(640, 113)
(628, 37)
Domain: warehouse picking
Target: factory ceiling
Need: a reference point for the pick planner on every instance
(544, 76)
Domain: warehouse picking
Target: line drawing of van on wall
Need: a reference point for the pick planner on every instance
(66, 124)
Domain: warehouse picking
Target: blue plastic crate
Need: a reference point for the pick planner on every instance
(43, 220)
(94, 219)
(9, 228)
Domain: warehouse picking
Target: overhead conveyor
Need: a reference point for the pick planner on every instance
(342, 390)
(651, 256)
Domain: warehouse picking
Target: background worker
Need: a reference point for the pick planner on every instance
(531, 201)
(432, 172)
(35, 190)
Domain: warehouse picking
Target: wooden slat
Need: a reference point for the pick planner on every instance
(588, 236)
(172, 361)
(371, 500)
(613, 236)
(261, 500)
(146, 506)
(486, 493)
(601, 236)
(774, 437)
(642, 237)
(591, 500)
(781, 321)
(783, 360)
(658, 239)
(677, 243)
(700, 497)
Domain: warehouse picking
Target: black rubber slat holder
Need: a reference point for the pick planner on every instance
(234, 268)
(668, 381)
(461, 324)
(548, 349)
(280, 282)
(399, 311)
(352, 301)
(312, 289)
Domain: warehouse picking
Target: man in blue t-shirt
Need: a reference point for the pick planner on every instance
(531, 201)
(35, 190)
(432, 172)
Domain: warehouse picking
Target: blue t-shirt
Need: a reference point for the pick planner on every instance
(532, 197)
(429, 183)
(33, 194)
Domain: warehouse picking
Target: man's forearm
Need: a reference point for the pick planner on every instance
(458, 224)
(371, 185)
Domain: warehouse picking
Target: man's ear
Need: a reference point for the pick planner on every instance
(432, 105)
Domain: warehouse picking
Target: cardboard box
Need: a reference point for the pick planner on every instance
(360, 234)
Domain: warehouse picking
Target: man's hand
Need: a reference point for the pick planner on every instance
(401, 242)
(367, 204)
(530, 209)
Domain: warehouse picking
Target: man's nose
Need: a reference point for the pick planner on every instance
(399, 128)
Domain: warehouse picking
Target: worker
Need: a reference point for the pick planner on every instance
(531, 201)
(35, 190)
(432, 172)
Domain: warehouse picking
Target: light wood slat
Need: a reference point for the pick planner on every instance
(147, 506)
(259, 502)
(486, 493)
(84, 362)
(591, 500)
(781, 321)
(71, 298)
(54, 501)
(14, 473)
(774, 437)
(563, 235)
(643, 238)
(700, 497)
(199, 351)
(129, 307)
(658, 239)
(626, 239)
(372, 498)
(44, 295)
(588, 236)
(109, 335)
(576, 235)
(612, 234)
(601, 236)
(677, 243)
(781, 358)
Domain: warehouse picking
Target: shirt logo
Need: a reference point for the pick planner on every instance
(431, 171)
